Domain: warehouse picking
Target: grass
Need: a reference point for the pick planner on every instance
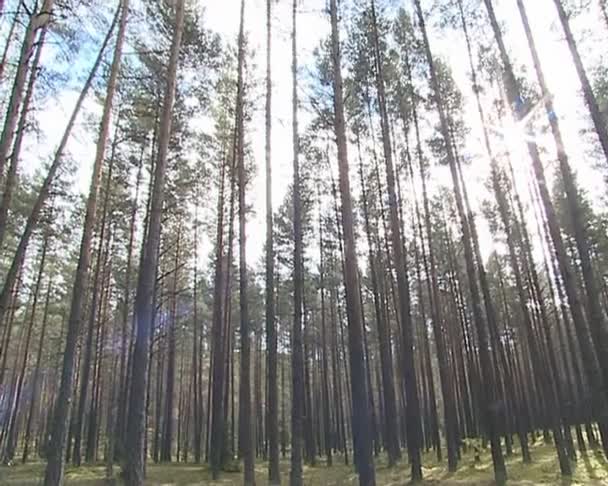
(589, 470)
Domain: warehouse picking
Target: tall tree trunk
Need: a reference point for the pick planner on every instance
(414, 426)
(359, 387)
(55, 467)
(245, 415)
(11, 440)
(297, 353)
(135, 461)
(592, 104)
(274, 473)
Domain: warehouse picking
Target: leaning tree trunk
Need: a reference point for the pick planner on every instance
(144, 310)
(55, 466)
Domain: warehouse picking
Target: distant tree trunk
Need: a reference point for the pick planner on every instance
(55, 466)
(167, 440)
(197, 358)
(297, 353)
(36, 379)
(120, 418)
(327, 435)
(135, 462)
(11, 439)
(359, 387)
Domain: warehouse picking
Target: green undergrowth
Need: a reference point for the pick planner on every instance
(591, 469)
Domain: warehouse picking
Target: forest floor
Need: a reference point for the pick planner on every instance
(591, 469)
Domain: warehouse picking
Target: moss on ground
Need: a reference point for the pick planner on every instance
(591, 469)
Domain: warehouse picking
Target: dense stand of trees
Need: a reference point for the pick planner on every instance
(433, 278)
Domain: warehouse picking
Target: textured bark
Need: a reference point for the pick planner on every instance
(245, 416)
(135, 460)
(359, 387)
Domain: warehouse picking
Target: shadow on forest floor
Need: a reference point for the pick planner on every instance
(591, 469)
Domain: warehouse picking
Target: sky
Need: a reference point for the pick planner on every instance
(313, 26)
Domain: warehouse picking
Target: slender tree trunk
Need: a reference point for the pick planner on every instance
(359, 387)
(245, 415)
(11, 439)
(134, 467)
(55, 467)
(274, 473)
(168, 426)
(297, 353)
